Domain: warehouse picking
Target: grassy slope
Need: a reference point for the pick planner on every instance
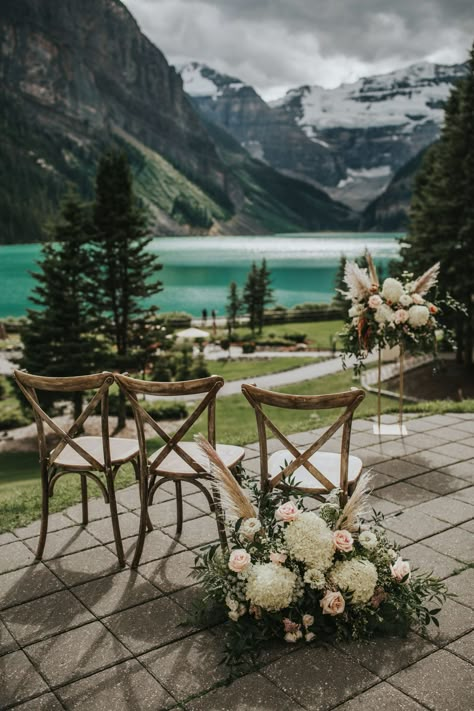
(252, 368)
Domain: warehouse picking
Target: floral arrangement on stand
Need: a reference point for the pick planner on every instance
(396, 312)
(302, 576)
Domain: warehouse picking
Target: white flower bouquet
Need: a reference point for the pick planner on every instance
(396, 312)
(303, 575)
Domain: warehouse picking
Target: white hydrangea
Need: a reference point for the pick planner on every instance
(358, 576)
(270, 586)
(310, 540)
(249, 527)
(384, 314)
(368, 540)
(392, 290)
(356, 310)
(418, 316)
(405, 300)
(315, 579)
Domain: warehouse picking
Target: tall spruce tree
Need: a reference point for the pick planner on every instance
(125, 272)
(233, 307)
(264, 293)
(58, 336)
(442, 211)
(250, 296)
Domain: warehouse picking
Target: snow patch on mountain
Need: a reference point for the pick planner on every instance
(199, 80)
(403, 98)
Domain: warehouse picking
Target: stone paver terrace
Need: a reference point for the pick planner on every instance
(78, 633)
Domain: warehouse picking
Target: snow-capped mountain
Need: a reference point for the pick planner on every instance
(375, 124)
(357, 135)
(236, 107)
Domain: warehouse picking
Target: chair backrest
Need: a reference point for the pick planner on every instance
(100, 382)
(348, 400)
(209, 387)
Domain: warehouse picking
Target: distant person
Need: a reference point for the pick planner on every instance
(214, 325)
(204, 317)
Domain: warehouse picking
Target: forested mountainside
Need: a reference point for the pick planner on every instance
(76, 76)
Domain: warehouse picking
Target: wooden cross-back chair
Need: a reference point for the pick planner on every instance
(84, 455)
(177, 460)
(313, 471)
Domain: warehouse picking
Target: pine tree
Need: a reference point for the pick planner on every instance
(264, 293)
(339, 285)
(442, 210)
(58, 337)
(250, 296)
(233, 307)
(125, 272)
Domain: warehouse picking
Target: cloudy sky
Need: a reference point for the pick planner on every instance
(278, 44)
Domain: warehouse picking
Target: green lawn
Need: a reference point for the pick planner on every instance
(319, 333)
(253, 367)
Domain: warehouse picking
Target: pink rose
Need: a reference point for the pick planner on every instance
(343, 541)
(332, 603)
(400, 569)
(293, 637)
(375, 301)
(290, 626)
(417, 299)
(239, 560)
(278, 558)
(401, 316)
(308, 620)
(287, 512)
(378, 597)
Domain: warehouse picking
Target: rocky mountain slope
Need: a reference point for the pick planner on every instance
(76, 76)
(370, 128)
(268, 135)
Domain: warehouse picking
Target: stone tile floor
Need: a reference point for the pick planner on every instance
(78, 633)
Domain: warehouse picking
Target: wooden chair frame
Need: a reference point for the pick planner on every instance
(149, 472)
(50, 471)
(349, 400)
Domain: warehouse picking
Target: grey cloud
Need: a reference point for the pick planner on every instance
(281, 43)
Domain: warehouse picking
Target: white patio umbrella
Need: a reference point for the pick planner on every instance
(192, 334)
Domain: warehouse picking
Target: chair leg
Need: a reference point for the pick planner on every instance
(44, 515)
(144, 518)
(219, 518)
(179, 506)
(85, 506)
(115, 519)
(149, 525)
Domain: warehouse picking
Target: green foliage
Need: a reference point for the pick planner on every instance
(184, 365)
(442, 211)
(233, 306)
(58, 337)
(257, 295)
(124, 271)
(287, 603)
(199, 368)
(189, 212)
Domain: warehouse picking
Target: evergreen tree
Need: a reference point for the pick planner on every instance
(264, 293)
(125, 272)
(442, 211)
(233, 307)
(58, 337)
(251, 296)
(339, 285)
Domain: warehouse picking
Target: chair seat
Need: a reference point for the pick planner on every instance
(121, 450)
(328, 463)
(174, 464)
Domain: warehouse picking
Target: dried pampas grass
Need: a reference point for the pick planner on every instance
(234, 500)
(358, 505)
(357, 280)
(427, 280)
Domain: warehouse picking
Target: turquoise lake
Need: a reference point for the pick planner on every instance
(197, 270)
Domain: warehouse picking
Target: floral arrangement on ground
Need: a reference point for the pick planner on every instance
(300, 575)
(396, 312)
